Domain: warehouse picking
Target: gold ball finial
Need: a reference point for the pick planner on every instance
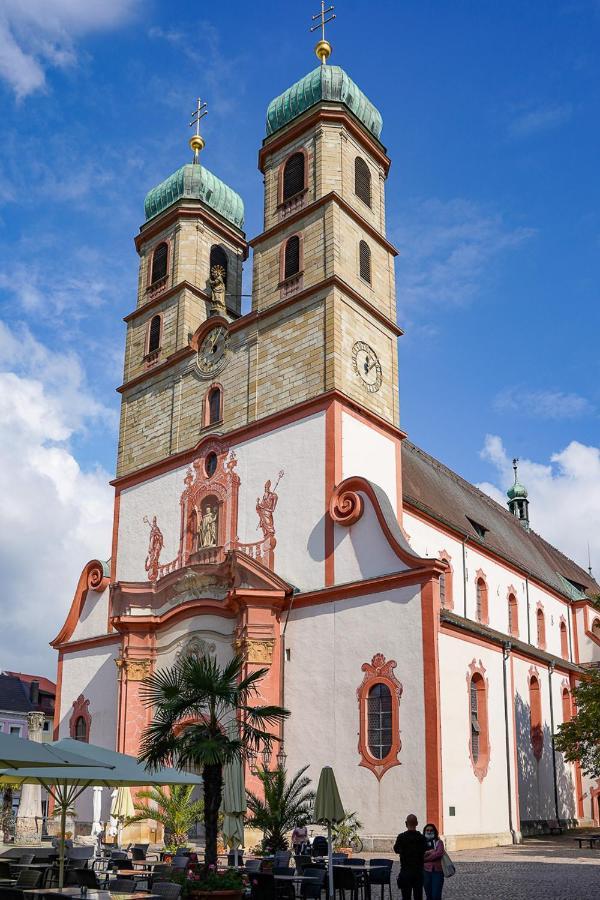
(197, 143)
(323, 51)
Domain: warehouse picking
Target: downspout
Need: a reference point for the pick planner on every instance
(550, 671)
(528, 621)
(570, 634)
(505, 657)
(464, 559)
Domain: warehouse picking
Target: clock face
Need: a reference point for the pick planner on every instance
(367, 366)
(212, 351)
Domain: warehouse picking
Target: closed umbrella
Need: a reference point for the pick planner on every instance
(328, 810)
(97, 815)
(121, 808)
(234, 805)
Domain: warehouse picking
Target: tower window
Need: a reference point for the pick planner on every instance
(218, 257)
(379, 721)
(362, 180)
(364, 261)
(379, 715)
(159, 263)
(154, 335)
(291, 265)
(566, 705)
(81, 730)
(214, 406)
(293, 176)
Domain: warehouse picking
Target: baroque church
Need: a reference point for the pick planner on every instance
(424, 638)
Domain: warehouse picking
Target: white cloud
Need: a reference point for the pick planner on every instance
(538, 119)
(564, 495)
(445, 249)
(54, 515)
(39, 34)
(543, 404)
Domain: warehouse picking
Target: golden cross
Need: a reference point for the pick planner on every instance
(197, 141)
(323, 48)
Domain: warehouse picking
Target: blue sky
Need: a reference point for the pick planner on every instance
(491, 121)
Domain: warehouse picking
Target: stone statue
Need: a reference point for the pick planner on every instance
(208, 527)
(217, 284)
(266, 507)
(155, 545)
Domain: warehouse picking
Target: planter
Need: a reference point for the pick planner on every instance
(346, 850)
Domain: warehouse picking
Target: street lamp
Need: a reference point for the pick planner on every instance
(252, 761)
(281, 757)
(266, 757)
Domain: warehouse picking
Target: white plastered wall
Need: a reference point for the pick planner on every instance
(536, 782)
(215, 631)
(369, 453)
(362, 550)
(327, 645)
(93, 619)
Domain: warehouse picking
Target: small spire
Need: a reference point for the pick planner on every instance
(589, 561)
(515, 464)
(197, 142)
(323, 47)
(517, 498)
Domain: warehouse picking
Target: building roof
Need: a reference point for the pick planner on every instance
(46, 686)
(195, 182)
(328, 83)
(14, 696)
(431, 487)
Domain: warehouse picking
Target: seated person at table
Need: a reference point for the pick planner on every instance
(68, 841)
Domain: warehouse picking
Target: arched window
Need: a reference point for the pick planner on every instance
(596, 628)
(541, 629)
(364, 261)
(481, 600)
(362, 180)
(513, 615)
(567, 711)
(378, 705)
(443, 589)
(218, 257)
(81, 732)
(154, 334)
(564, 640)
(446, 586)
(535, 717)
(214, 406)
(479, 742)
(159, 262)
(291, 263)
(379, 720)
(293, 176)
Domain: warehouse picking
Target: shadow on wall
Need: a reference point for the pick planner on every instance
(536, 776)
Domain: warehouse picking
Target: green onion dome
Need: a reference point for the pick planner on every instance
(195, 182)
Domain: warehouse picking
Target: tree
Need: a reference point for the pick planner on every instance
(203, 717)
(174, 809)
(579, 739)
(285, 804)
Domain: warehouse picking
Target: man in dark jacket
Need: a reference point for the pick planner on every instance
(410, 845)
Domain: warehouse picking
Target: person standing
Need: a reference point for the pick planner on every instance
(433, 875)
(410, 846)
(299, 837)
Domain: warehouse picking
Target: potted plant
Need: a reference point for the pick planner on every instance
(346, 836)
(227, 884)
(283, 804)
(173, 808)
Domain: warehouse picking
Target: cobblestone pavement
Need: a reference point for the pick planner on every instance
(539, 869)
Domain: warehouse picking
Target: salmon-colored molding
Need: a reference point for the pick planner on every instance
(281, 171)
(92, 578)
(335, 116)
(515, 781)
(215, 386)
(448, 579)
(166, 295)
(535, 712)
(378, 671)
(589, 629)
(482, 610)
(161, 223)
(351, 589)
(575, 634)
(576, 765)
(513, 610)
(114, 551)
(476, 675)
(540, 625)
(333, 473)
(430, 620)
(102, 640)
(81, 710)
(57, 702)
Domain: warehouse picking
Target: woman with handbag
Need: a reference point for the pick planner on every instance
(433, 875)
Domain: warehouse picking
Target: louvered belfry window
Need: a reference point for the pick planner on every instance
(362, 180)
(159, 263)
(292, 257)
(293, 176)
(218, 257)
(214, 405)
(379, 721)
(364, 261)
(475, 727)
(154, 336)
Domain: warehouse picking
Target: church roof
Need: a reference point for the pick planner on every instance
(195, 182)
(431, 487)
(323, 83)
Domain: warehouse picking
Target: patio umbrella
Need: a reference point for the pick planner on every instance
(234, 805)
(66, 784)
(97, 814)
(121, 808)
(19, 753)
(328, 810)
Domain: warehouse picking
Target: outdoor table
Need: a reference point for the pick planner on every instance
(91, 894)
(590, 839)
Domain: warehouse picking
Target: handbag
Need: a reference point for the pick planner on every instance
(448, 867)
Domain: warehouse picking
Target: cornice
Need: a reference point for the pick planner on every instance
(286, 135)
(172, 214)
(331, 197)
(166, 295)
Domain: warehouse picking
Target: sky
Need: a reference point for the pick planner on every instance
(491, 119)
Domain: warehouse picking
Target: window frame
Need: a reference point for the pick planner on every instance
(221, 248)
(360, 159)
(564, 637)
(362, 243)
(512, 601)
(448, 581)
(476, 678)
(80, 710)
(379, 671)
(211, 390)
(283, 279)
(85, 739)
(152, 319)
(540, 633)
(566, 702)
(482, 611)
(281, 201)
(160, 283)
(536, 716)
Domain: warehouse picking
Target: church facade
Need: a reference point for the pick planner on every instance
(425, 640)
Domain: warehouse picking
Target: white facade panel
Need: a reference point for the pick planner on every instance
(369, 453)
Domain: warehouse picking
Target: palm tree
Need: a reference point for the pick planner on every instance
(203, 718)
(174, 809)
(285, 804)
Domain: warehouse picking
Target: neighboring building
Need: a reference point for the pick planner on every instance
(22, 694)
(425, 639)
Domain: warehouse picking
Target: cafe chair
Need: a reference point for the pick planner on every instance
(167, 890)
(120, 886)
(381, 876)
(312, 890)
(262, 886)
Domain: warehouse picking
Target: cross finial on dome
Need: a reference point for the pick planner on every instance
(197, 142)
(517, 498)
(323, 47)
(515, 464)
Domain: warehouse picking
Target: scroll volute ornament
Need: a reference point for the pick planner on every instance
(346, 507)
(96, 579)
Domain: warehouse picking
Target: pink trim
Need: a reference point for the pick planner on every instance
(92, 578)
(80, 711)
(378, 671)
(513, 611)
(535, 712)
(482, 615)
(564, 638)
(476, 674)
(215, 386)
(448, 579)
(540, 617)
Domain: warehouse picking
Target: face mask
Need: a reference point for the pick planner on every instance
(428, 834)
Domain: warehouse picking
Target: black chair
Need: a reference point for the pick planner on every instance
(87, 878)
(167, 889)
(312, 890)
(5, 871)
(344, 879)
(120, 886)
(354, 861)
(160, 873)
(120, 865)
(26, 859)
(179, 862)
(381, 876)
(252, 865)
(320, 847)
(138, 855)
(231, 858)
(28, 879)
(262, 886)
(302, 861)
(339, 858)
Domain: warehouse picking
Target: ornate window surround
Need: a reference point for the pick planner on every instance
(484, 616)
(379, 671)
(81, 710)
(448, 580)
(540, 633)
(564, 638)
(476, 672)
(512, 601)
(535, 715)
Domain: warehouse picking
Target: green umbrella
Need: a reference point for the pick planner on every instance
(105, 767)
(234, 805)
(18, 753)
(328, 810)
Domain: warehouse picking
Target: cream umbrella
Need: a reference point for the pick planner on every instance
(97, 815)
(121, 809)
(328, 810)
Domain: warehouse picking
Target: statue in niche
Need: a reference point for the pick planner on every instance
(208, 530)
(217, 284)
(265, 508)
(155, 545)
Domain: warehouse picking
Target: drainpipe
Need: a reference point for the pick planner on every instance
(464, 558)
(528, 622)
(570, 634)
(505, 657)
(550, 671)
